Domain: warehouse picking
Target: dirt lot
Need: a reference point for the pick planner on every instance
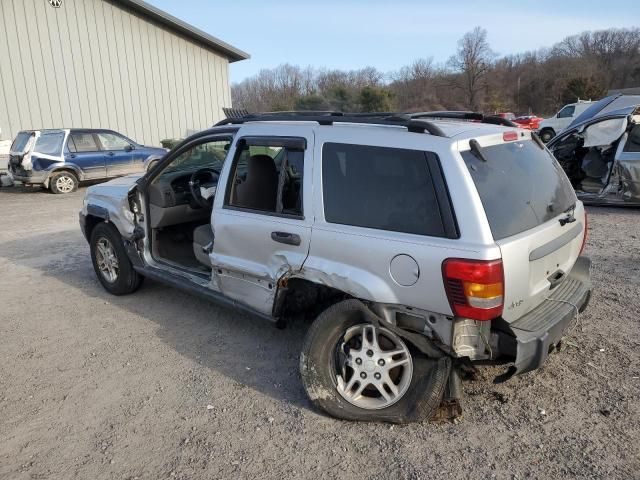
(163, 385)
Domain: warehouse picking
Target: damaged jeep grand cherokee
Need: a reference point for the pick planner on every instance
(420, 246)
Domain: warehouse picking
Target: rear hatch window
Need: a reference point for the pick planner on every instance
(520, 185)
(49, 143)
(20, 142)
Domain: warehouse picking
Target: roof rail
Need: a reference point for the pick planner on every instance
(464, 115)
(329, 118)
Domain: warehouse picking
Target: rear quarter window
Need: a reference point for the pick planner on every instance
(520, 185)
(381, 188)
(49, 143)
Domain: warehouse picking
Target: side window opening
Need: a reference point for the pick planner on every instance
(633, 140)
(268, 179)
(567, 111)
(84, 142)
(379, 187)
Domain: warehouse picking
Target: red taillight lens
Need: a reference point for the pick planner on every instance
(475, 288)
(510, 136)
(584, 236)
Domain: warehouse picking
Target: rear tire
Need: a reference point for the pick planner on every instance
(320, 370)
(63, 182)
(110, 261)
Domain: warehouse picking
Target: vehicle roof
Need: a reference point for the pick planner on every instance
(72, 129)
(450, 128)
(612, 105)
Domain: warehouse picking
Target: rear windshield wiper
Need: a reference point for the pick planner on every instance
(570, 218)
(476, 149)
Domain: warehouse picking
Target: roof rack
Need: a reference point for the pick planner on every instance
(464, 115)
(329, 118)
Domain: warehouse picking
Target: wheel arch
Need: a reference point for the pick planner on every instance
(63, 168)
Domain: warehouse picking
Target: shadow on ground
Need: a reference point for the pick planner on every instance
(248, 350)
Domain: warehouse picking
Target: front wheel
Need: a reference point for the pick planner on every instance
(547, 134)
(110, 261)
(355, 370)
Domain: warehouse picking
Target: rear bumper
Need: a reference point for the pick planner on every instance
(27, 176)
(530, 338)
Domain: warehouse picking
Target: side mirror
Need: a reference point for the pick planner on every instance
(128, 148)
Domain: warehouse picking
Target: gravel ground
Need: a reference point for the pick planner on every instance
(160, 384)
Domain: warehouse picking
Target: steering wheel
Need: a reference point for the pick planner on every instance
(199, 179)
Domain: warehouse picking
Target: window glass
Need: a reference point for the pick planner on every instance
(84, 142)
(111, 141)
(268, 179)
(520, 185)
(567, 111)
(206, 155)
(379, 187)
(49, 143)
(633, 140)
(20, 142)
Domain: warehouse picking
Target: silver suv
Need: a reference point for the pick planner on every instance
(421, 245)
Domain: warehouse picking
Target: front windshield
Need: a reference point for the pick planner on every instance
(49, 143)
(207, 155)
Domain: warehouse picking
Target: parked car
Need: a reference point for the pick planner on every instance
(530, 122)
(506, 115)
(422, 246)
(60, 159)
(600, 152)
(550, 127)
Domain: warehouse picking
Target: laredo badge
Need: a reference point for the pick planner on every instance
(55, 3)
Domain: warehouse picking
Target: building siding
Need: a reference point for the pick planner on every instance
(94, 64)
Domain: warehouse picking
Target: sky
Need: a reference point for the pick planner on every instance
(351, 34)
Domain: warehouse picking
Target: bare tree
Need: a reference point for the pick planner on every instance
(472, 62)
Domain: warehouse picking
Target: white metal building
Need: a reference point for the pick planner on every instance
(118, 64)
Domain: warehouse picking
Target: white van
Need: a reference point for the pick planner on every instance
(550, 127)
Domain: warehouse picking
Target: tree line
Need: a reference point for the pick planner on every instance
(583, 66)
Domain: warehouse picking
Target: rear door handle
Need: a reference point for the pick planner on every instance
(111, 154)
(286, 238)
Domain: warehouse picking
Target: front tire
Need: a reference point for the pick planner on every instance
(110, 261)
(63, 182)
(546, 135)
(355, 370)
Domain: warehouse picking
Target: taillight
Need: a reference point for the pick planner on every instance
(584, 236)
(509, 136)
(475, 288)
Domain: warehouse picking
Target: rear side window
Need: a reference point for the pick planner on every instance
(521, 186)
(82, 142)
(49, 143)
(380, 187)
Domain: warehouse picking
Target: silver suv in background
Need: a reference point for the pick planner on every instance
(420, 246)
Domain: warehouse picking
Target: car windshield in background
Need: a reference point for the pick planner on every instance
(49, 143)
(20, 142)
(521, 186)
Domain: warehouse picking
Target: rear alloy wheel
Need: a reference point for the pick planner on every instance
(355, 370)
(63, 182)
